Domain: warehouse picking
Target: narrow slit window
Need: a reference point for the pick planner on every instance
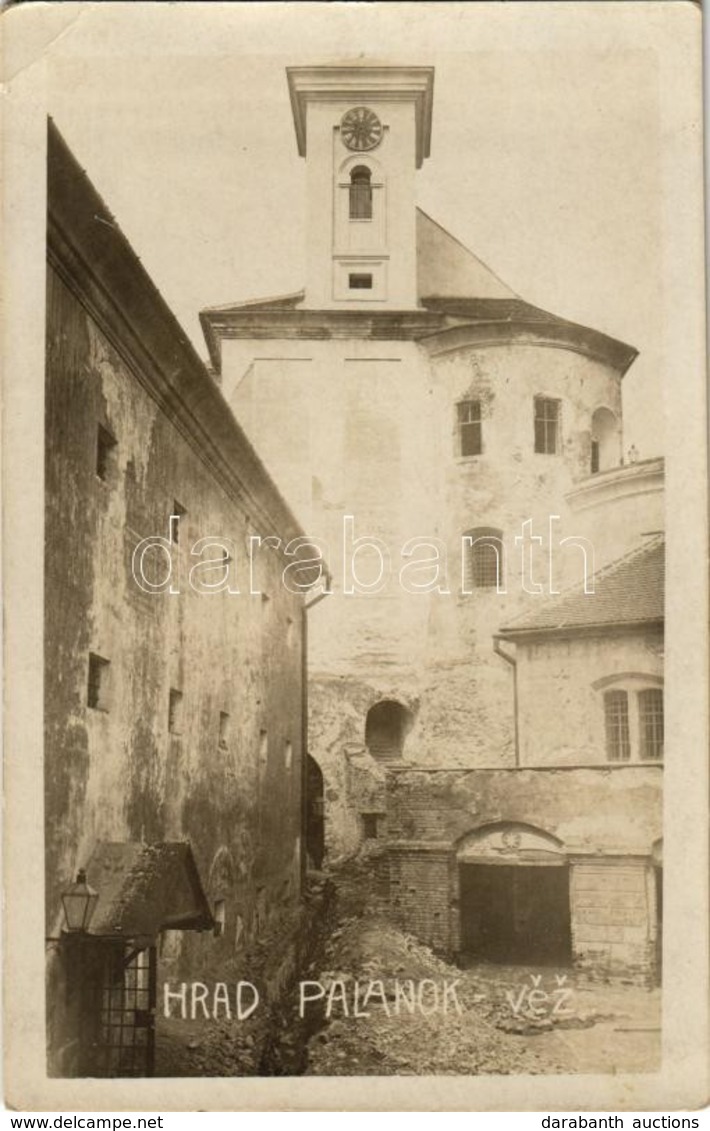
(175, 704)
(176, 516)
(97, 691)
(616, 718)
(223, 740)
(359, 282)
(470, 428)
(105, 444)
(651, 724)
(361, 193)
(547, 419)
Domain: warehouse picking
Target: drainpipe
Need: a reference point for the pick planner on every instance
(514, 664)
(304, 719)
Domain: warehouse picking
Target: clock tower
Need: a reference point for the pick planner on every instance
(364, 131)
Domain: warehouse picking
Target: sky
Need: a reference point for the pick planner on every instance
(546, 155)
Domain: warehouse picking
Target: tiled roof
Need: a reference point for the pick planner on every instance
(628, 591)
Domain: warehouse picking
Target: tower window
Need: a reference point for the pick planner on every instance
(547, 419)
(105, 443)
(485, 559)
(360, 193)
(651, 724)
(360, 282)
(616, 718)
(470, 428)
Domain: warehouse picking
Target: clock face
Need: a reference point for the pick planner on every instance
(361, 129)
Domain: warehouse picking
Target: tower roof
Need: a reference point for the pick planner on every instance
(447, 269)
(355, 82)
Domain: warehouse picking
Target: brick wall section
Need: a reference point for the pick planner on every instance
(420, 883)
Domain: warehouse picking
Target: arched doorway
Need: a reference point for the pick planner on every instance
(606, 447)
(514, 896)
(315, 814)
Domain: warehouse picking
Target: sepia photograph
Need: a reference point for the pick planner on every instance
(359, 411)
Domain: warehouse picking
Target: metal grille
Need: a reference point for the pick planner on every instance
(128, 1014)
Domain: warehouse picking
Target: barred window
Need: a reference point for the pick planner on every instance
(360, 193)
(470, 428)
(547, 419)
(616, 717)
(650, 703)
(485, 558)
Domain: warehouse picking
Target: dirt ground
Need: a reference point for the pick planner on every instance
(498, 1019)
(483, 1019)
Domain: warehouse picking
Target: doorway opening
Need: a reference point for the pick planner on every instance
(516, 914)
(315, 814)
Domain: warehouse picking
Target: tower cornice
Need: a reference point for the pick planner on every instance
(356, 83)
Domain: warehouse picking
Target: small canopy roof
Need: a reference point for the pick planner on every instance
(146, 888)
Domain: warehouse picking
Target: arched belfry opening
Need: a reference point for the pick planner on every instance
(387, 726)
(360, 195)
(514, 896)
(606, 440)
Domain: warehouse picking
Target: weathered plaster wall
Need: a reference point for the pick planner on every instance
(372, 434)
(118, 774)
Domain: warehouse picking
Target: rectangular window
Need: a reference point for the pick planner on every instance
(369, 826)
(595, 457)
(175, 711)
(288, 755)
(105, 443)
(98, 683)
(547, 415)
(616, 718)
(470, 428)
(360, 282)
(651, 724)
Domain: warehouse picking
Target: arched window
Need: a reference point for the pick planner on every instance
(485, 566)
(386, 728)
(360, 193)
